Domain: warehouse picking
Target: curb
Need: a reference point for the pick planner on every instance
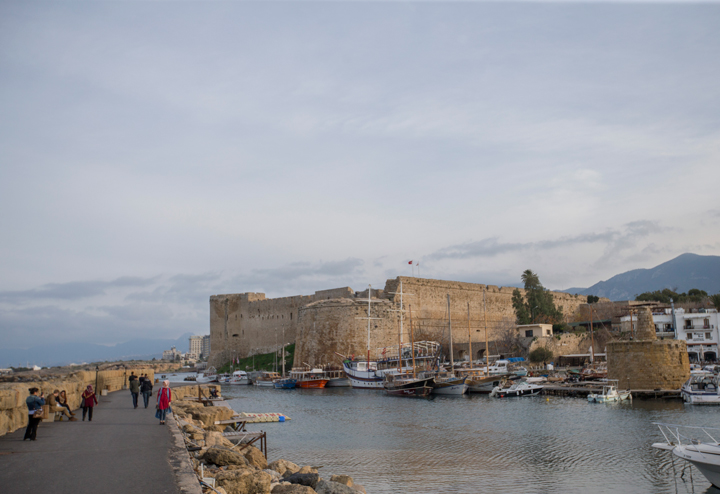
(179, 460)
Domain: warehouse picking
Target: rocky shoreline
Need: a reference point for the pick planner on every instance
(247, 472)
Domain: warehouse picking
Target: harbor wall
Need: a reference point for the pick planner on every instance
(330, 321)
(13, 410)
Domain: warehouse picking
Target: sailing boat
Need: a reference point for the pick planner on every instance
(447, 383)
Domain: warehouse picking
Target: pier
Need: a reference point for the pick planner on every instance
(584, 389)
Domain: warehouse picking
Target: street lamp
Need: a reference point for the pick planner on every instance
(97, 372)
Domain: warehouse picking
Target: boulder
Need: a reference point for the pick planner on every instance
(283, 466)
(276, 477)
(216, 440)
(330, 487)
(255, 457)
(308, 479)
(359, 488)
(222, 457)
(342, 479)
(220, 490)
(244, 482)
(292, 489)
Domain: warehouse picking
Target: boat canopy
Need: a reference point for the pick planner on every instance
(515, 359)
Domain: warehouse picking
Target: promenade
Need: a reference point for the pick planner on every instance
(123, 450)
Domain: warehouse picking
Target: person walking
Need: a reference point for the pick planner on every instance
(146, 389)
(164, 398)
(134, 388)
(34, 403)
(89, 400)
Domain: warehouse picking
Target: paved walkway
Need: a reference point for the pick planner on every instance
(123, 450)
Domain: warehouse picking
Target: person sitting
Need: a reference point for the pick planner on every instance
(55, 407)
(62, 401)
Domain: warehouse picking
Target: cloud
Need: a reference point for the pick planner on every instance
(74, 290)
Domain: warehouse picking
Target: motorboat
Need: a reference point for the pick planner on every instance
(209, 376)
(609, 394)
(286, 383)
(701, 389)
(239, 377)
(521, 388)
(407, 385)
(705, 456)
(265, 379)
(309, 379)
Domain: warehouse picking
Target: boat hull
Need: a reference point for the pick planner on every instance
(695, 398)
(264, 384)
(312, 384)
(206, 380)
(285, 384)
(707, 462)
(455, 389)
(338, 382)
(413, 392)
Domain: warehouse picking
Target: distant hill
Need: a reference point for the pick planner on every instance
(680, 274)
(67, 353)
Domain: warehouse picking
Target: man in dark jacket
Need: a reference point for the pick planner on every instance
(146, 390)
(134, 388)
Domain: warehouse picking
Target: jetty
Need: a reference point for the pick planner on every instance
(584, 389)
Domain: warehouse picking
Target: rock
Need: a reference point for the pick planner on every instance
(255, 457)
(276, 477)
(309, 479)
(292, 489)
(342, 479)
(189, 429)
(359, 488)
(244, 482)
(330, 487)
(283, 466)
(216, 440)
(220, 490)
(222, 457)
(308, 469)
(241, 467)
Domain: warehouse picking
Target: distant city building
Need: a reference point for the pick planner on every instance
(205, 346)
(171, 354)
(698, 328)
(196, 346)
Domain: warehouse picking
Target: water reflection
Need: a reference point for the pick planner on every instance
(475, 443)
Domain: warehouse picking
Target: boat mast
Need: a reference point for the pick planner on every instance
(283, 351)
(400, 344)
(469, 337)
(592, 338)
(452, 361)
(487, 346)
(412, 340)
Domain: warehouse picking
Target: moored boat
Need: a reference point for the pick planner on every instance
(609, 394)
(701, 389)
(449, 385)
(286, 383)
(209, 376)
(309, 379)
(336, 378)
(521, 388)
(239, 377)
(265, 379)
(407, 385)
(705, 456)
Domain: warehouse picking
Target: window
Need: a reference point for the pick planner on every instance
(528, 333)
(707, 336)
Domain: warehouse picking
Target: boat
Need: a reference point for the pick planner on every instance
(190, 378)
(209, 376)
(239, 377)
(403, 384)
(286, 383)
(705, 456)
(701, 389)
(265, 379)
(594, 372)
(507, 366)
(609, 394)
(521, 388)
(336, 378)
(309, 379)
(450, 385)
(481, 383)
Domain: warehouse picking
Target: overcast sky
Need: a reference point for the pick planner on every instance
(155, 153)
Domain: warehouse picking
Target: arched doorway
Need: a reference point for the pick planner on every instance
(710, 356)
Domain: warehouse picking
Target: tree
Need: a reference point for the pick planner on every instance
(715, 299)
(541, 354)
(591, 299)
(538, 305)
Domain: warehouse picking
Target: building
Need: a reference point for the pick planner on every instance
(172, 354)
(196, 347)
(535, 330)
(697, 327)
(205, 346)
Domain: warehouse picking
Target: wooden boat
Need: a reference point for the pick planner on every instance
(309, 379)
(407, 385)
(593, 373)
(448, 384)
(286, 383)
(336, 378)
(265, 379)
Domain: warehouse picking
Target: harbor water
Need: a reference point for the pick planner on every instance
(474, 443)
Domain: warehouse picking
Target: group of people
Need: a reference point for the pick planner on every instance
(143, 384)
(57, 402)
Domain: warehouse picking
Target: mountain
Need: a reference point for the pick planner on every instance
(66, 353)
(681, 274)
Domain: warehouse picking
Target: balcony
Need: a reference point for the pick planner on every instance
(699, 327)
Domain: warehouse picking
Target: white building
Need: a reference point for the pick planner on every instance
(196, 347)
(699, 329)
(171, 354)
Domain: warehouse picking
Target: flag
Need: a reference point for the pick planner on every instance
(410, 262)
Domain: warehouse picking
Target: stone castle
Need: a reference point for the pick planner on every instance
(334, 320)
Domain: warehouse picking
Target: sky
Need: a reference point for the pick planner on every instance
(154, 153)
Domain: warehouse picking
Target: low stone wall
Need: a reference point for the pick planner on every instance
(13, 411)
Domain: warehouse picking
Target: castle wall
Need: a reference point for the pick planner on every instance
(648, 364)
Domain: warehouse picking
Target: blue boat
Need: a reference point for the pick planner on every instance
(284, 383)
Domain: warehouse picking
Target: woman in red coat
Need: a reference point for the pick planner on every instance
(89, 400)
(164, 398)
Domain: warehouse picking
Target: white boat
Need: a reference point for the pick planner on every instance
(450, 385)
(701, 389)
(265, 379)
(209, 376)
(609, 394)
(521, 388)
(239, 377)
(705, 456)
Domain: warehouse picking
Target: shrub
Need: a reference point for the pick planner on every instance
(541, 354)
